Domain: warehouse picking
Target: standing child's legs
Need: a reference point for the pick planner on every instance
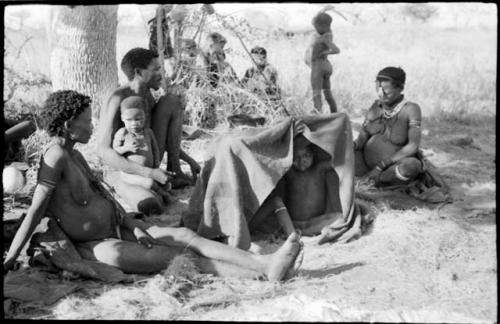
(316, 84)
(328, 92)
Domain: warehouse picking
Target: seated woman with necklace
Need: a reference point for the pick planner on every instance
(386, 150)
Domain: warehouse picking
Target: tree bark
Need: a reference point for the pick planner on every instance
(83, 51)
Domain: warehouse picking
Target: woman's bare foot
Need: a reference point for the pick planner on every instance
(283, 259)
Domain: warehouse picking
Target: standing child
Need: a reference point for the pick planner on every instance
(137, 143)
(317, 59)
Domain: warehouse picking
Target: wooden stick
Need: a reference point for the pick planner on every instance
(262, 73)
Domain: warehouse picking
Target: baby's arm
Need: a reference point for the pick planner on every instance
(119, 143)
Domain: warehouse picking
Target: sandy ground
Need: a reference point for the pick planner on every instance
(416, 265)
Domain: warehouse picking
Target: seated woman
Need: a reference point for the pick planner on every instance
(67, 192)
(386, 150)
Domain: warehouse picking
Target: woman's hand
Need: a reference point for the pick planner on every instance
(144, 238)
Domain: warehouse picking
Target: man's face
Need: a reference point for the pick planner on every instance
(152, 74)
(386, 91)
(260, 59)
(133, 118)
(303, 158)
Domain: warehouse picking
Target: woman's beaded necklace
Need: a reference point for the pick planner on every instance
(388, 114)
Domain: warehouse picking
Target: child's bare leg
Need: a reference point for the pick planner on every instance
(274, 266)
(273, 206)
(328, 94)
(317, 85)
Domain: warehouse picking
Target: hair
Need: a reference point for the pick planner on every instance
(322, 19)
(396, 75)
(133, 102)
(259, 50)
(136, 58)
(217, 38)
(62, 106)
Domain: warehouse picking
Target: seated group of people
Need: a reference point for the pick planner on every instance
(260, 79)
(135, 131)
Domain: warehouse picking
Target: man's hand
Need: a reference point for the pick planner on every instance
(160, 175)
(144, 238)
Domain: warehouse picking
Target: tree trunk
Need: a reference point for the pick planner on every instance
(83, 51)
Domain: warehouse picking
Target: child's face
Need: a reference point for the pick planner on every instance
(214, 46)
(260, 59)
(303, 158)
(133, 118)
(321, 28)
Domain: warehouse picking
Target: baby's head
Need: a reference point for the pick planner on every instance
(303, 153)
(132, 113)
(322, 22)
(259, 54)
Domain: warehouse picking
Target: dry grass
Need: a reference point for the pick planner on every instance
(420, 266)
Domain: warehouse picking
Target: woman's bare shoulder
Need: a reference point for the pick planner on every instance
(55, 155)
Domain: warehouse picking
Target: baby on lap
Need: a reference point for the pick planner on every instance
(137, 143)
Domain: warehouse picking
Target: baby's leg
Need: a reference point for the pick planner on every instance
(136, 196)
(137, 180)
(328, 93)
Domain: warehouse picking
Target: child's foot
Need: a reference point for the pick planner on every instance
(283, 259)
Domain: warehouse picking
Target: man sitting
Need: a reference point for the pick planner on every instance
(143, 70)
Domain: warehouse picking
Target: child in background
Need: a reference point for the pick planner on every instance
(317, 59)
(137, 143)
(262, 79)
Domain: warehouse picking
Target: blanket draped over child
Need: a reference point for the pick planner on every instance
(242, 169)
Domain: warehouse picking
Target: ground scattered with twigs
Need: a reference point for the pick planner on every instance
(417, 265)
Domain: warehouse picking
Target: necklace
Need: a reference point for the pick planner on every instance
(388, 114)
